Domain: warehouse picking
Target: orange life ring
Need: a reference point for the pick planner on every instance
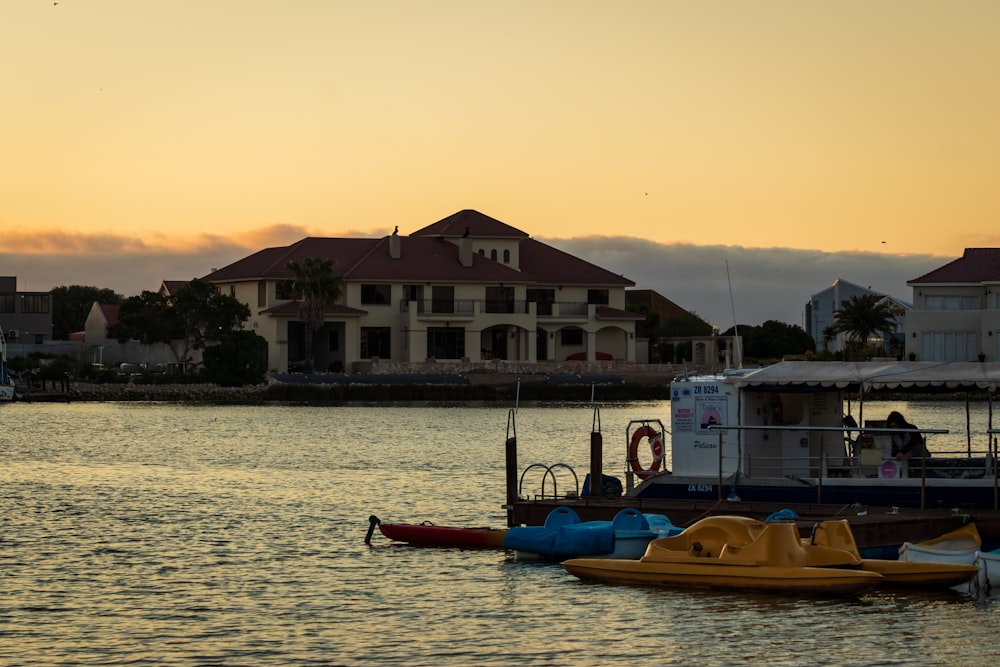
(655, 445)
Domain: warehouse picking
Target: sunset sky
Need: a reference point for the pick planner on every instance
(148, 140)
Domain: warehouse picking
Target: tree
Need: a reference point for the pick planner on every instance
(237, 360)
(829, 333)
(862, 316)
(316, 286)
(72, 304)
(772, 340)
(147, 318)
(205, 315)
(190, 319)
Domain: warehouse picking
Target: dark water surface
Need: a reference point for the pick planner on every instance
(175, 535)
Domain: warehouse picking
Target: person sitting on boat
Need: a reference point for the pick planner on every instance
(906, 441)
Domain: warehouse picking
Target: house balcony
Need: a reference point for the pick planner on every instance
(459, 310)
(564, 312)
(527, 313)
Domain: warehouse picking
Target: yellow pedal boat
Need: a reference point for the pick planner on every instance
(901, 573)
(737, 553)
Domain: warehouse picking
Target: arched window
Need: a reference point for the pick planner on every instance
(493, 254)
(506, 256)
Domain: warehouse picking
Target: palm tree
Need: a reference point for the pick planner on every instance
(316, 286)
(862, 316)
(829, 333)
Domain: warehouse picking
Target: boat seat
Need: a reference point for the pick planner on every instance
(630, 519)
(561, 516)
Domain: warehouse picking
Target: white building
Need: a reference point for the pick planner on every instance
(956, 310)
(821, 312)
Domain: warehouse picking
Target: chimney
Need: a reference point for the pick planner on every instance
(394, 244)
(465, 250)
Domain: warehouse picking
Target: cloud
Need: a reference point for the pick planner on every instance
(766, 283)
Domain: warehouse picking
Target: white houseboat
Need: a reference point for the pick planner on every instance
(778, 434)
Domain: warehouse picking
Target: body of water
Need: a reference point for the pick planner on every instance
(160, 534)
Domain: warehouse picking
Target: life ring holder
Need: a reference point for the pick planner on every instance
(656, 446)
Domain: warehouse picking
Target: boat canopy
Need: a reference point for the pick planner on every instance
(926, 376)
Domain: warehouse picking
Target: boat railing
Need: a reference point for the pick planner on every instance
(836, 461)
(549, 472)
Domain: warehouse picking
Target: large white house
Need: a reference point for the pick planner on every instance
(467, 287)
(956, 310)
(822, 308)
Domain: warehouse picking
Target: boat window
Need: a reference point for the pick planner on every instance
(792, 408)
(786, 409)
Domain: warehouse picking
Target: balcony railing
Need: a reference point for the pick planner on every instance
(469, 307)
(466, 307)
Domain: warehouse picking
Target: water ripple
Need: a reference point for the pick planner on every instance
(178, 536)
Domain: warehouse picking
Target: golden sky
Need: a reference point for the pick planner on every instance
(857, 125)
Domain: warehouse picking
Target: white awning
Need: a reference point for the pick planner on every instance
(908, 375)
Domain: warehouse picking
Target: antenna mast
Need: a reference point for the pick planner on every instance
(737, 346)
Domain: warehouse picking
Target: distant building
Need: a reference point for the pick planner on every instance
(106, 351)
(466, 288)
(822, 308)
(26, 317)
(956, 310)
(668, 329)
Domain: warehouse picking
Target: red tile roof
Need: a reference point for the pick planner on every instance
(476, 223)
(110, 312)
(170, 287)
(273, 262)
(550, 266)
(427, 257)
(976, 265)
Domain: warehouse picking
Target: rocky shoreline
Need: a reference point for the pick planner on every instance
(323, 391)
(327, 390)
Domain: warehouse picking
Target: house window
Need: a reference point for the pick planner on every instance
(232, 291)
(571, 337)
(952, 302)
(375, 343)
(376, 294)
(445, 342)
(34, 303)
(544, 298)
(443, 299)
(948, 346)
(261, 293)
(482, 253)
(283, 290)
(506, 256)
(499, 299)
(597, 297)
(7, 303)
(413, 292)
(493, 254)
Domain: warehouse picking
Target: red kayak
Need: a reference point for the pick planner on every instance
(428, 535)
